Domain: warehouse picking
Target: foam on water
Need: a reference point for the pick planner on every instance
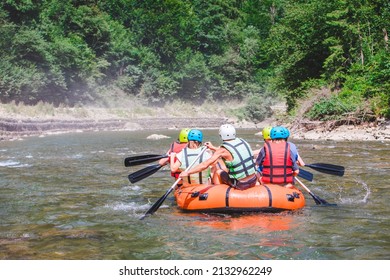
(75, 156)
(133, 188)
(128, 207)
(9, 163)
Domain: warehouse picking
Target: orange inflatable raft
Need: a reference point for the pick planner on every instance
(222, 198)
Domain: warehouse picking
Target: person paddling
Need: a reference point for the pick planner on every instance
(278, 160)
(232, 162)
(294, 149)
(266, 132)
(176, 147)
(179, 162)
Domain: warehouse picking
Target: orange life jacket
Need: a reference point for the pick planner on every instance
(277, 165)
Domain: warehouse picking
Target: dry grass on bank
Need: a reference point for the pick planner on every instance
(131, 109)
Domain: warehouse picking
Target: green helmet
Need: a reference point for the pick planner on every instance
(267, 132)
(183, 135)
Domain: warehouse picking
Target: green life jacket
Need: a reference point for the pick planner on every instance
(187, 157)
(242, 164)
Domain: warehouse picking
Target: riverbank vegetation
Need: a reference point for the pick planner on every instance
(72, 52)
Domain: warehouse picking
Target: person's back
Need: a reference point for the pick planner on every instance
(277, 165)
(240, 163)
(241, 166)
(277, 160)
(187, 156)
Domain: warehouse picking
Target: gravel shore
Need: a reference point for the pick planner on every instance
(11, 129)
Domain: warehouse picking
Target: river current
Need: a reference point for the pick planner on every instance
(67, 196)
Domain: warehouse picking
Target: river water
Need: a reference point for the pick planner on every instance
(68, 197)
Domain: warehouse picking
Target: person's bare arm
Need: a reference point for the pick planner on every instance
(220, 153)
(300, 161)
(210, 146)
(174, 164)
(163, 161)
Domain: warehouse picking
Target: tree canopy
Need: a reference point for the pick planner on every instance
(67, 51)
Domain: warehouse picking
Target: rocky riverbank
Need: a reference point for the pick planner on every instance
(11, 129)
(327, 131)
(18, 121)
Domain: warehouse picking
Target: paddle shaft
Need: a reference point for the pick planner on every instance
(143, 159)
(327, 168)
(302, 185)
(159, 202)
(318, 200)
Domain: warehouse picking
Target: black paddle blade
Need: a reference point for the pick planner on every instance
(143, 159)
(156, 205)
(143, 173)
(320, 201)
(305, 174)
(327, 168)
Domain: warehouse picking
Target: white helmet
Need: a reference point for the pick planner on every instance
(227, 132)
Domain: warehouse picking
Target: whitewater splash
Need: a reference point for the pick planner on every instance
(368, 192)
(12, 164)
(353, 200)
(8, 163)
(133, 209)
(132, 206)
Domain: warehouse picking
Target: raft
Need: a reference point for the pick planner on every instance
(222, 198)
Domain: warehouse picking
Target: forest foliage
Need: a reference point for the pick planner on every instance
(70, 51)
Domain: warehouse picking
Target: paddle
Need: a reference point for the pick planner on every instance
(305, 174)
(327, 168)
(142, 159)
(318, 200)
(144, 173)
(158, 203)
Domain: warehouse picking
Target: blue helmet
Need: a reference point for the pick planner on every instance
(279, 132)
(287, 132)
(195, 135)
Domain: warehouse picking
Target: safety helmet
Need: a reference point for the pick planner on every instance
(279, 132)
(266, 132)
(287, 132)
(227, 132)
(183, 135)
(195, 135)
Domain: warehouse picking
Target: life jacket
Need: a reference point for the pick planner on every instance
(242, 164)
(277, 165)
(186, 158)
(177, 147)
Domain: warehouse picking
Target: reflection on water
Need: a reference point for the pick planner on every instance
(68, 197)
(249, 222)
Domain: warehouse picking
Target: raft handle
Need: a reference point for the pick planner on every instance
(290, 197)
(195, 194)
